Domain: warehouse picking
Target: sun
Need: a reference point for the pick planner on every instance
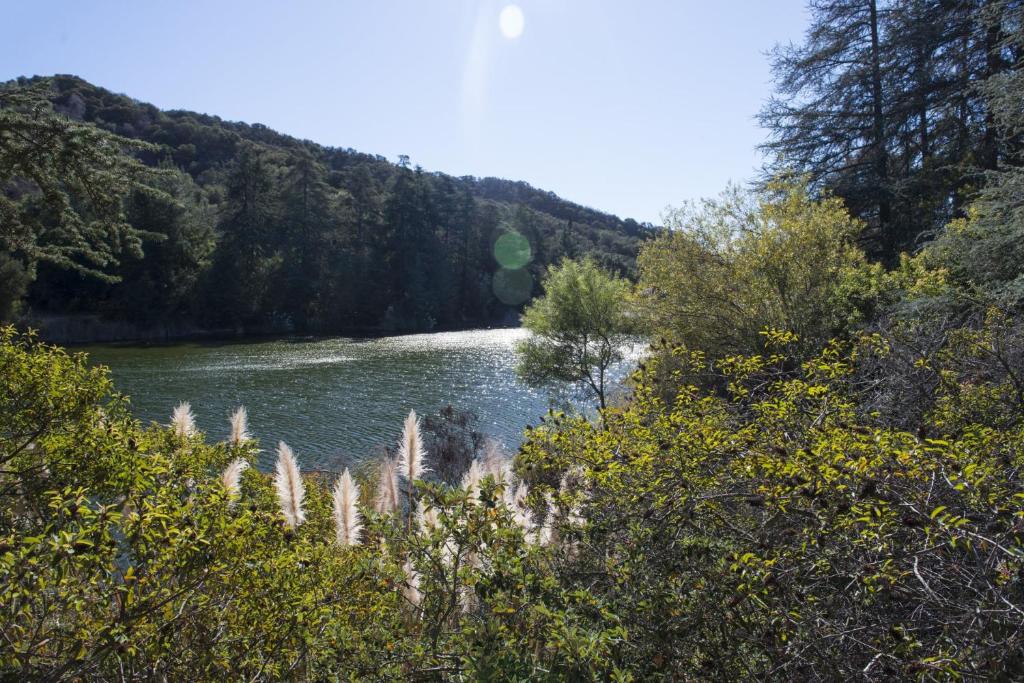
(511, 21)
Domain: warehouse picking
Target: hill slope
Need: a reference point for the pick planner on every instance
(271, 233)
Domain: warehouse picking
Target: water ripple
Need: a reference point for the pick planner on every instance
(334, 400)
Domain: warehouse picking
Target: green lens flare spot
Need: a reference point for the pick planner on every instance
(513, 287)
(512, 251)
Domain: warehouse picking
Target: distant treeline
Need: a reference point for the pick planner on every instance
(256, 232)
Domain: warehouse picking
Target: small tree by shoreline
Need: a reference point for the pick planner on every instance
(578, 328)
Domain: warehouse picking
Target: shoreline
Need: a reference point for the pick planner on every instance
(91, 330)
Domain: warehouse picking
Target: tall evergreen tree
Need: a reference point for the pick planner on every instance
(308, 216)
(881, 104)
(62, 184)
(162, 286)
(304, 237)
(246, 259)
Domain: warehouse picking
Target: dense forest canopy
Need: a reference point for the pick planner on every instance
(895, 105)
(246, 229)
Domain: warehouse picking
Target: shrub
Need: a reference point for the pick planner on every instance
(730, 268)
(769, 529)
(773, 534)
(123, 558)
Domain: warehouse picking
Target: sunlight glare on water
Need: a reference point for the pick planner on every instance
(333, 400)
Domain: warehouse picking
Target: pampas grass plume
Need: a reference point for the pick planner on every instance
(547, 534)
(410, 459)
(496, 464)
(386, 501)
(520, 510)
(410, 450)
(239, 426)
(411, 588)
(182, 421)
(347, 519)
(290, 490)
(471, 480)
(571, 480)
(231, 478)
(427, 518)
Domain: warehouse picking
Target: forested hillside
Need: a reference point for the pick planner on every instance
(255, 231)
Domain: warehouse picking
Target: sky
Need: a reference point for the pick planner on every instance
(627, 106)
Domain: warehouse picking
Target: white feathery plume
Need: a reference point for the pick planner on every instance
(182, 421)
(467, 596)
(290, 490)
(467, 599)
(231, 479)
(547, 534)
(524, 518)
(471, 480)
(473, 558)
(426, 518)
(410, 450)
(497, 464)
(411, 588)
(574, 516)
(503, 475)
(521, 513)
(239, 426)
(387, 487)
(510, 496)
(347, 519)
(410, 459)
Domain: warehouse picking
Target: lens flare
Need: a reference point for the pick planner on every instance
(513, 287)
(512, 250)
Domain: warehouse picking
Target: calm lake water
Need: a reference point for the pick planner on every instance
(333, 400)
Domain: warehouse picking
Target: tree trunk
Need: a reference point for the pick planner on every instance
(994, 64)
(881, 157)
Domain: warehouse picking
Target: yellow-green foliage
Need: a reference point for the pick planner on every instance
(121, 559)
(770, 533)
(736, 265)
(578, 328)
(757, 525)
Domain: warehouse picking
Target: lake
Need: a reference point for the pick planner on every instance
(333, 400)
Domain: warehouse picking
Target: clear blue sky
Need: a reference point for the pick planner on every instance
(624, 106)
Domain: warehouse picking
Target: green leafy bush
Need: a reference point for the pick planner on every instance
(125, 556)
(731, 267)
(768, 527)
(770, 533)
(578, 327)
